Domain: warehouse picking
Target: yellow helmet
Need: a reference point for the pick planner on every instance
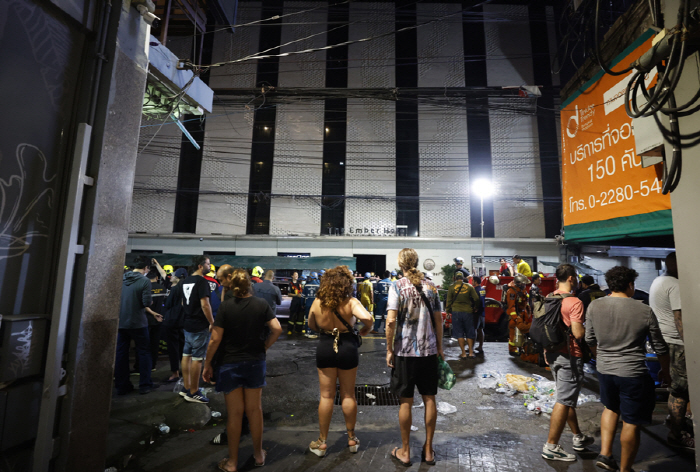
(168, 269)
(213, 268)
(257, 271)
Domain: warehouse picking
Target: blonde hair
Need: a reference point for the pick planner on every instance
(408, 261)
(240, 282)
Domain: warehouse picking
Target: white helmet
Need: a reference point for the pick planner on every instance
(494, 280)
(429, 275)
(459, 260)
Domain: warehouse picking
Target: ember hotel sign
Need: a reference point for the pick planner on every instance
(385, 230)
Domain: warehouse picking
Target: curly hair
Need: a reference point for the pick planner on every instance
(336, 287)
(408, 261)
(619, 278)
(240, 283)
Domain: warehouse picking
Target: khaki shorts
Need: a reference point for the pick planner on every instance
(568, 381)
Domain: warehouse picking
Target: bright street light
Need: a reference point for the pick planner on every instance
(482, 187)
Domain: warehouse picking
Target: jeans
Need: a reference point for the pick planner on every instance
(143, 351)
(154, 335)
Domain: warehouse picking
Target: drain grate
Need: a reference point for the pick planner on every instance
(382, 396)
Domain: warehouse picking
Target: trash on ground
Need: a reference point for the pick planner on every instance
(369, 395)
(164, 428)
(414, 428)
(588, 368)
(216, 414)
(445, 408)
(419, 406)
(538, 393)
(179, 385)
(111, 469)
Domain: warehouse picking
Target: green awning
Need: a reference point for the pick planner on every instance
(266, 262)
(657, 223)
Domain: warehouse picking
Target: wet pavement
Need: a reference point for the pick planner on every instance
(488, 432)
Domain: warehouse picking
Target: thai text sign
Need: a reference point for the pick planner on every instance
(602, 174)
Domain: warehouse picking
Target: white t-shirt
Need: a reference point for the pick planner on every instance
(415, 336)
(664, 298)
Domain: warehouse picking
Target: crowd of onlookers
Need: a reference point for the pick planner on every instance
(218, 324)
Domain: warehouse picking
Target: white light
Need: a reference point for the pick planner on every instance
(482, 188)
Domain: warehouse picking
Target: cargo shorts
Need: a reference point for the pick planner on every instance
(679, 374)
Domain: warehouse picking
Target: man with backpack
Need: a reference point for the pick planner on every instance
(591, 291)
(558, 326)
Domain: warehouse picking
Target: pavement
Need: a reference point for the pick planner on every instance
(488, 432)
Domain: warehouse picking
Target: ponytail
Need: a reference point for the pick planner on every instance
(408, 261)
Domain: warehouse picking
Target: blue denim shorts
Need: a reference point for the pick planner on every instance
(246, 374)
(463, 325)
(196, 345)
(633, 397)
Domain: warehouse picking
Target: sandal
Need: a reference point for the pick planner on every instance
(422, 457)
(222, 465)
(260, 464)
(315, 447)
(396, 458)
(352, 437)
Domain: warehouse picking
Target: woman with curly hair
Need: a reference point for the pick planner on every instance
(337, 354)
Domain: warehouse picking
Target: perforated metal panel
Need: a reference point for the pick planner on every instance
(308, 69)
(371, 395)
(516, 175)
(152, 210)
(298, 169)
(440, 49)
(242, 43)
(223, 202)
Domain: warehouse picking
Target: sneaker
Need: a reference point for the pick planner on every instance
(606, 462)
(686, 441)
(183, 392)
(198, 397)
(581, 441)
(556, 453)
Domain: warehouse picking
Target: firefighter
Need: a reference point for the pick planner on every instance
(309, 295)
(296, 312)
(518, 310)
(257, 273)
(365, 291)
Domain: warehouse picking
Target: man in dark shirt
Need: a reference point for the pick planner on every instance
(198, 323)
(591, 291)
(269, 292)
(133, 325)
(459, 263)
(296, 314)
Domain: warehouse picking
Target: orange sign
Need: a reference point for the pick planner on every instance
(602, 174)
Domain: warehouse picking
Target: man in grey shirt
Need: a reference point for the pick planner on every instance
(617, 327)
(665, 300)
(268, 291)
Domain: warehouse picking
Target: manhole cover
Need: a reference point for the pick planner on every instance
(371, 395)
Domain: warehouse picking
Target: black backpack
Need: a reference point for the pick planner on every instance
(548, 328)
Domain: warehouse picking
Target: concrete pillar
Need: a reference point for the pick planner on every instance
(686, 224)
(84, 413)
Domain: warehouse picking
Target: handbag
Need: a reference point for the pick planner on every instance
(351, 329)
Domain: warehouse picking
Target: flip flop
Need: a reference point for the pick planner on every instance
(222, 465)
(260, 464)
(395, 457)
(422, 457)
(472, 357)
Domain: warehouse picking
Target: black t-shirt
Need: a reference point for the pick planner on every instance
(158, 295)
(243, 320)
(194, 288)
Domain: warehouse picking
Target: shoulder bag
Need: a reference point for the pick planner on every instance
(351, 329)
